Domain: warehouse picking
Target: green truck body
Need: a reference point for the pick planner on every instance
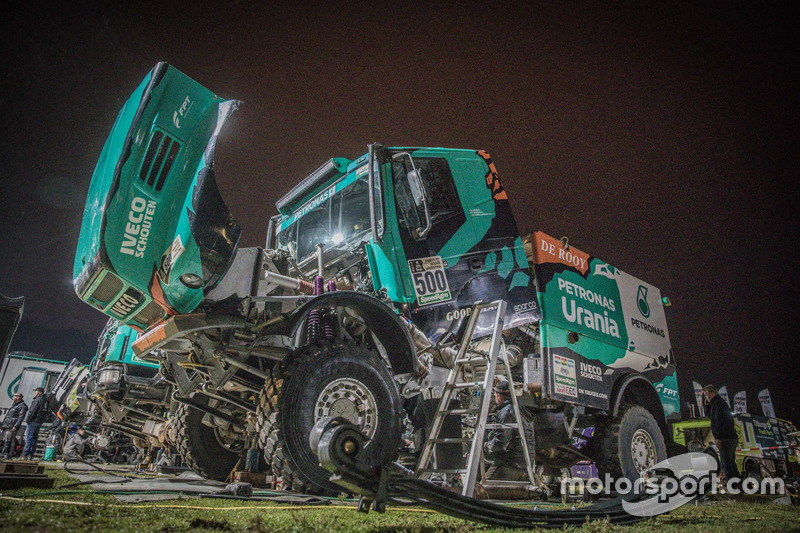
(410, 239)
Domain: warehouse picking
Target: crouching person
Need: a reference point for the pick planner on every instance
(504, 446)
(73, 448)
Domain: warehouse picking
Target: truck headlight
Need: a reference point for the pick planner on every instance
(108, 376)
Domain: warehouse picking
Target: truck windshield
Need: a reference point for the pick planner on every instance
(338, 218)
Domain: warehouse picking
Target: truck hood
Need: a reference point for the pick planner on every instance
(156, 235)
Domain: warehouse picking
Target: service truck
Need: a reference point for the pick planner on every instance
(768, 447)
(354, 307)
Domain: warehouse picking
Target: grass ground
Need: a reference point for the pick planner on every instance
(81, 509)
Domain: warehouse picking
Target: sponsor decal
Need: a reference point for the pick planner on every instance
(578, 314)
(137, 228)
(180, 114)
(593, 394)
(526, 307)
(663, 390)
(430, 281)
(168, 259)
(126, 303)
(647, 327)
(564, 376)
(641, 301)
(549, 250)
(458, 313)
(589, 371)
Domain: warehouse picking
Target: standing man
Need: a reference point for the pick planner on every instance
(37, 414)
(11, 424)
(504, 447)
(724, 430)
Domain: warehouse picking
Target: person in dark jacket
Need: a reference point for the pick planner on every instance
(37, 415)
(724, 430)
(11, 424)
(73, 448)
(504, 447)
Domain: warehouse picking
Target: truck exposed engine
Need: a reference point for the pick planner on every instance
(118, 391)
(360, 300)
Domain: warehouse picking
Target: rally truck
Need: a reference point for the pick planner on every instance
(355, 306)
(768, 447)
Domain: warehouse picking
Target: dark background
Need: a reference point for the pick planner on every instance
(659, 136)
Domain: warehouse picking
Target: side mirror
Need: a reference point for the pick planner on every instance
(418, 193)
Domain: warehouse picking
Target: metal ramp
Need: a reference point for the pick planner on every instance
(474, 369)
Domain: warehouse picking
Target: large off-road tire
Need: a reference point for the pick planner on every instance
(629, 444)
(199, 446)
(321, 380)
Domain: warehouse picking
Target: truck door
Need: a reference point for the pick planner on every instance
(31, 378)
(471, 250)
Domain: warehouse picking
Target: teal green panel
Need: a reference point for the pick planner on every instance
(667, 390)
(600, 317)
(520, 279)
(90, 236)
(489, 263)
(593, 349)
(506, 264)
(519, 254)
(469, 172)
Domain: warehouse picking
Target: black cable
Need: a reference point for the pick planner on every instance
(125, 479)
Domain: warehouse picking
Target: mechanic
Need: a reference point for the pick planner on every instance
(724, 430)
(73, 448)
(37, 415)
(504, 447)
(11, 424)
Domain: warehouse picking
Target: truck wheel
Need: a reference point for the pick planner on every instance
(200, 446)
(629, 445)
(322, 380)
(715, 455)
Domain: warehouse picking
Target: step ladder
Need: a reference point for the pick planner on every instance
(482, 368)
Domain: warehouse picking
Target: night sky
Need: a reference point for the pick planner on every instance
(660, 137)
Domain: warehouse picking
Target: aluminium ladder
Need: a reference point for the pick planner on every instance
(487, 364)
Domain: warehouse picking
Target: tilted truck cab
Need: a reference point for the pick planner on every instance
(372, 268)
(156, 233)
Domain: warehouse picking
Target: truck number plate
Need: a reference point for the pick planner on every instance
(430, 281)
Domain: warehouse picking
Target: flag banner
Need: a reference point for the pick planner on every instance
(698, 396)
(723, 392)
(740, 402)
(766, 403)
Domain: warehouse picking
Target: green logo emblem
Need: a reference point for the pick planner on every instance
(641, 301)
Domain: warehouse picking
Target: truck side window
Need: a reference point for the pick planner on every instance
(442, 197)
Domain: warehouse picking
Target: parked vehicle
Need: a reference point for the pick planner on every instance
(371, 269)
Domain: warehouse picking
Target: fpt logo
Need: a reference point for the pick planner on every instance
(641, 301)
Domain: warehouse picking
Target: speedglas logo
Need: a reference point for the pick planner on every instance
(641, 301)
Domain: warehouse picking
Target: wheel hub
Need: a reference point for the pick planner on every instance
(351, 400)
(643, 450)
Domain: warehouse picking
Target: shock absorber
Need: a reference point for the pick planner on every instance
(314, 324)
(329, 315)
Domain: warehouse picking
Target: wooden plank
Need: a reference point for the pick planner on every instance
(18, 481)
(20, 467)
